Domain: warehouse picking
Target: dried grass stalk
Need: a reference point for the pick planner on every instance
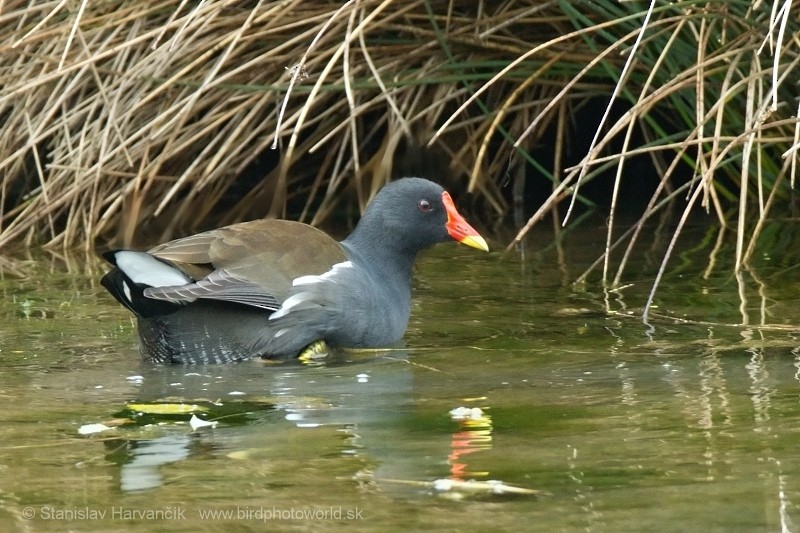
(132, 118)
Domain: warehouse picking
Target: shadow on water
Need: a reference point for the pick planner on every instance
(510, 375)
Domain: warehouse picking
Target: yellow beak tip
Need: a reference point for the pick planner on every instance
(475, 241)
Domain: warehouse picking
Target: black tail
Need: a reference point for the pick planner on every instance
(131, 294)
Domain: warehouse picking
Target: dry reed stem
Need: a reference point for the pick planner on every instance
(146, 118)
(129, 94)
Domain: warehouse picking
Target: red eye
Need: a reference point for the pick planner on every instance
(424, 206)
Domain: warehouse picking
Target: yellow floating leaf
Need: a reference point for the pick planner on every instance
(167, 408)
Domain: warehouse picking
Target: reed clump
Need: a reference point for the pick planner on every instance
(159, 117)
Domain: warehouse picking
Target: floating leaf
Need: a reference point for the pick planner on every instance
(467, 413)
(492, 486)
(89, 429)
(200, 423)
(167, 408)
(468, 487)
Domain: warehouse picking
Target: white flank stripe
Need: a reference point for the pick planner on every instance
(290, 303)
(335, 269)
(145, 269)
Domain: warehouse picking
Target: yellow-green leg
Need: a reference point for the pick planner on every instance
(314, 352)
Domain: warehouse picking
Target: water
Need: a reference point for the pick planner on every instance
(689, 423)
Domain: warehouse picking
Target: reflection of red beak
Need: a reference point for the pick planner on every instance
(459, 229)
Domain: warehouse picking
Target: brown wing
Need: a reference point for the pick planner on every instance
(258, 258)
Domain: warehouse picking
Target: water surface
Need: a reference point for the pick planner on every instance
(688, 423)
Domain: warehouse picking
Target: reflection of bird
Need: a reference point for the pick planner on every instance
(360, 409)
(272, 288)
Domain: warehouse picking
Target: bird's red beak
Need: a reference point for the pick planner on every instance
(459, 229)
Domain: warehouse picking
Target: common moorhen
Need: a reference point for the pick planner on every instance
(272, 288)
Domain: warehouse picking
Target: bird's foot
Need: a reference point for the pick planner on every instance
(314, 352)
